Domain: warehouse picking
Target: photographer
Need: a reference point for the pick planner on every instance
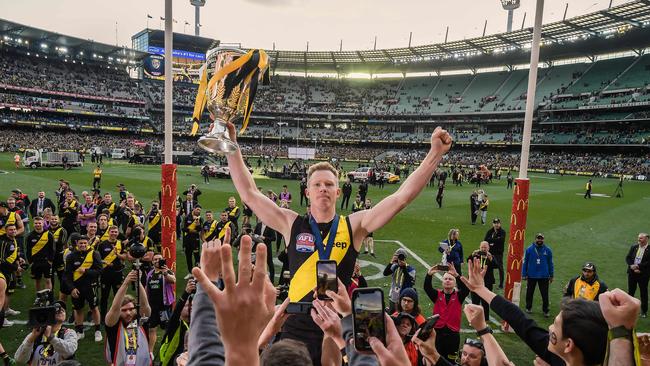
(174, 342)
(51, 344)
(487, 263)
(82, 268)
(160, 292)
(447, 303)
(403, 276)
(125, 338)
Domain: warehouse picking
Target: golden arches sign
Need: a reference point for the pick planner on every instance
(519, 235)
(166, 252)
(166, 221)
(513, 220)
(167, 188)
(516, 264)
(521, 204)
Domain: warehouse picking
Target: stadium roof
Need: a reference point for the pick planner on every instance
(623, 27)
(44, 41)
(185, 42)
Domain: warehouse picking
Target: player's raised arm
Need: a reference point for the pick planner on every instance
(277, 218)
(367, 221)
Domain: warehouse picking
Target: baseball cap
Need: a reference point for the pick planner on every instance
(60, 304)
(400, 251)
(589, 266)
(398, 318)
(496, 220)
(539, 235)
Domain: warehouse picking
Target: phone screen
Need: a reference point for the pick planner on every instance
(368, 317)
(325, 278)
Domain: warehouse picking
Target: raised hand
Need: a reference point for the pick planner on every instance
(475, 274)
(246, 304)
(394, 353)
(440, 141)
(340, 300)
(475, 316)
(619, 308)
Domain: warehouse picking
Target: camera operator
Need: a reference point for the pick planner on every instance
(51, 344)
(160, 292)
(112, 254)
(82, 268)
(487, 262)
(127, 342)
(403, 276)
(40, 253)
(268, 236)
(174, 343)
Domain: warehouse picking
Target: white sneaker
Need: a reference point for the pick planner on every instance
(12, 312)
(80, 336)
(98, 336)
(7, 323)
(188, 276)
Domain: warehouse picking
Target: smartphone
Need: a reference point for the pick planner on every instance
(368, 317)
(442, 267)
(298, 308)
(325, 278)
(162, 263)
(427, 327)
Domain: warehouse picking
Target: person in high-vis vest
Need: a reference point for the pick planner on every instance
(126, 339)
(587, 286)
(173, 343)
(82, 268)
(448, 303)
(40, 254)
(323, 234)
(112, 254)
(97, 177)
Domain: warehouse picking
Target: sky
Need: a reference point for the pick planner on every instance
(291, 24)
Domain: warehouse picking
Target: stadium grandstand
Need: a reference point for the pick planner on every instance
(593, 90)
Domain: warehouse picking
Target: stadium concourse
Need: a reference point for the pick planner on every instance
(591, 139)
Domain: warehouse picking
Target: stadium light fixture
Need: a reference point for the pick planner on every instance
(81, 53)
(43, 46)
(94, 55)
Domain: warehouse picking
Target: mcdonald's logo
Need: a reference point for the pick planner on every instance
(166, 221)
(522, 204)
(509, 296)
(174, 175)
(166, 188)
(517, 188)
(166, 252)
(516, 264)
(513, 220)
(512, 248)
(519, 235)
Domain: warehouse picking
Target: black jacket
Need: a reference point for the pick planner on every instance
(47, 203)
(644, 266)
(497, 239)
(268, 234)
(528, 331)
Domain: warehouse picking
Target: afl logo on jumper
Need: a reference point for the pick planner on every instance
(305, 243)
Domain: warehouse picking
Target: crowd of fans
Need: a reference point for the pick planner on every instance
(77, 244)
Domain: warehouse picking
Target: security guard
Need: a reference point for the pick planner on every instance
(587, 286)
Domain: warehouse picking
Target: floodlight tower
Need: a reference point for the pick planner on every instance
(510, 6)
(197, 14)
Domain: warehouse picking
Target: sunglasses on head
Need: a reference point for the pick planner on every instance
(475, 343)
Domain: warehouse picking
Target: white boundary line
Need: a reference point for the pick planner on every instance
(439, 277)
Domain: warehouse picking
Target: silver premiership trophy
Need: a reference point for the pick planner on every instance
(228, 86)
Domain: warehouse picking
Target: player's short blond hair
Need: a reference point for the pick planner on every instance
(323, 165)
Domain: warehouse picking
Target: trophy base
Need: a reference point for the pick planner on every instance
(217, 144)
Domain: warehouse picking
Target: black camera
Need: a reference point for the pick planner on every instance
(137, 250)
(43, 313)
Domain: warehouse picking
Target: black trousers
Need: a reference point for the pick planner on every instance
(634, 280)
(439, 200)
(345, 201)
(476, 300)
(447, 344)
(97, 182)
(497, 259)
(191, 248)
(474, 217)
(109, 281)
(543, 289)
(269, 261)
(303, 196)
(588, 194)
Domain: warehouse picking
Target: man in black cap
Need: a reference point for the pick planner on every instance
(51, 344)
(587, 286)
(496, 237)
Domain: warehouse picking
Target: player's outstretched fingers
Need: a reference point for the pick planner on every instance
(260, 273)
(228, 271)
(245, 264)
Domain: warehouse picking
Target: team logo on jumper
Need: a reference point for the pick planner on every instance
(305, 243)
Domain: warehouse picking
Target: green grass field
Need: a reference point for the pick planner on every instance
(599, 230)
